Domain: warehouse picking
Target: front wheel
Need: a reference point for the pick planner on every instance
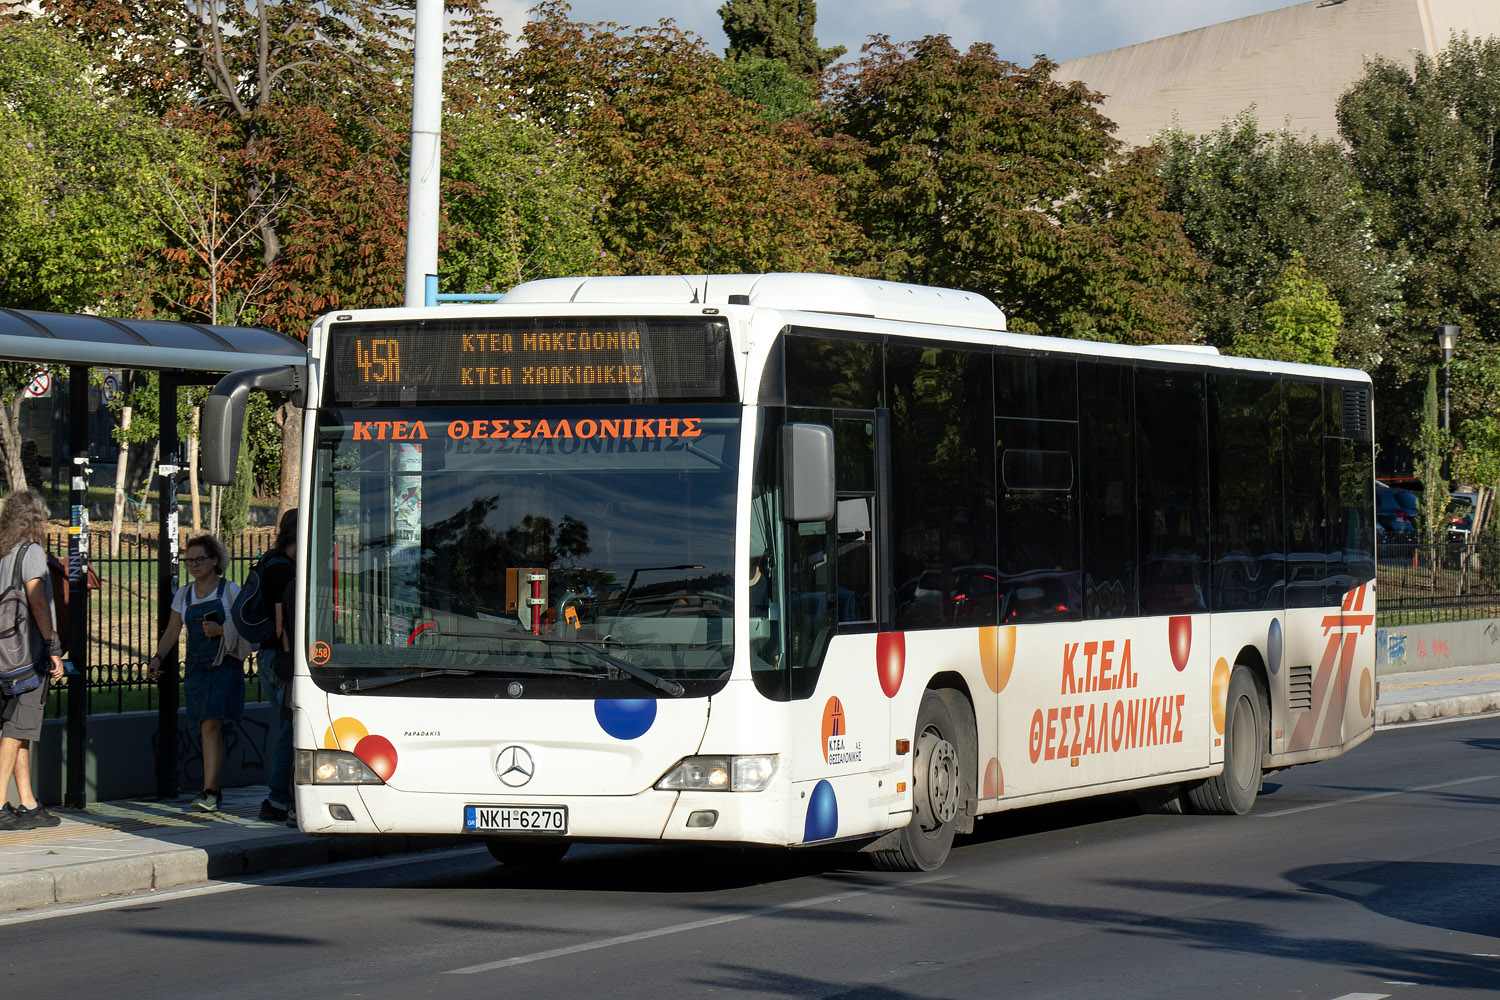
(937, 791)
(1232, 792)
(535, 851)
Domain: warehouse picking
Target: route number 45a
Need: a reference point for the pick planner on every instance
(378, 360)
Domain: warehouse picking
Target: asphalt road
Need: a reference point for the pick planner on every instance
(1370, 876)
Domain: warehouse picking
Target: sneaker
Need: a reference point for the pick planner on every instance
(12, 820)
(36, 817)
(207, 802)
(270, 813)
(291, 817)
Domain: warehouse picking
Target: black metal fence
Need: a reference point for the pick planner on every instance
(1447, 582)
(123, 617)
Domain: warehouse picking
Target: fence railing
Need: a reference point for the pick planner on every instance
(1446, 582)
(123, 617)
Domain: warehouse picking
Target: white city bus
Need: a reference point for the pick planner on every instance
(806, 560)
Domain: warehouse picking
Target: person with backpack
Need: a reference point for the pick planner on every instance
(30, 649)
(214, 674)
(261, 598)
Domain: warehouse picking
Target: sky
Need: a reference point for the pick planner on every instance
(1018, 29)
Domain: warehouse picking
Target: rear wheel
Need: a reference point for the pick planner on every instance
(937, 791)
(535, 851)
(1232, 792)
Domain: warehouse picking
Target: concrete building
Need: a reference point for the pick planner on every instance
(1291, 64)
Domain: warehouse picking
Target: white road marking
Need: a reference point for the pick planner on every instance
(149, 896)
(728, 918)
(1363, 996)
(1374, 795)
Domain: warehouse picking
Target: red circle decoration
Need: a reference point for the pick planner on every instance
(890, 661)
(377, 752)
(1180, 639)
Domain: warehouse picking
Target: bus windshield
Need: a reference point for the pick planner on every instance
(557, 551)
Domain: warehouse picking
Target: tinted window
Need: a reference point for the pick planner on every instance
(1039, 563)
(942, 485)
(1306, 498)
(1172, 483)
(824, 371)
(1035, 387)
(1249, 567)
(1107, 496)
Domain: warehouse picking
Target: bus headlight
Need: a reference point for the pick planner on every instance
(742, 773)
(333, 767)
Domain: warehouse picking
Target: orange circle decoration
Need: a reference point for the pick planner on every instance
(1220, 699)
(994, 781)
(1366, 693)
(319, 653)
(890, 661)
(997, 654)
(344, 734)
(834, 723)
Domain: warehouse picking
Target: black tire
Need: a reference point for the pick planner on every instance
(536, 851)
(937, 791)
(1169, 799)
(1232, 792)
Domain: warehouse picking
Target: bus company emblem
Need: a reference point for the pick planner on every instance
(514, 766)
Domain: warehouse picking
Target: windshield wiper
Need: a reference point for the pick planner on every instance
(385, 680)
(640, 674)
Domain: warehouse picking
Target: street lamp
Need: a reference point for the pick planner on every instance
(1447, 336)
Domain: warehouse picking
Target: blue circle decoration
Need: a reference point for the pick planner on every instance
(822, 814)
(1273, 645)
(626, 718)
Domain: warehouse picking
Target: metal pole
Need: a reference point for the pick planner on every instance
(1445, 393)
(424, 191)
(76, 795)
(166, 584)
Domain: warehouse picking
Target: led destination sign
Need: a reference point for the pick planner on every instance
(603, 359)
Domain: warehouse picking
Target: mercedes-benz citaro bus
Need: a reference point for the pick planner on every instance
(797, 559)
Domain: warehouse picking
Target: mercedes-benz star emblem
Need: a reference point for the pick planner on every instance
(514, 766)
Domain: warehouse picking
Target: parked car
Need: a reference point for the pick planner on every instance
(1459, 516)
(1396, 513)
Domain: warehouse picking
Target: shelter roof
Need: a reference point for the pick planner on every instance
(77, 339)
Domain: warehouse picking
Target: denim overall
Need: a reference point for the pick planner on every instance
(212, 692)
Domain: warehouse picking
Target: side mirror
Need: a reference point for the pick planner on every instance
(807, 473)
(224, 416)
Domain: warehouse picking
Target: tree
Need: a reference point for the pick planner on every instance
(1422, 143)
(693, 179)
(777, 29)
(976, 173)
(1300, 323)
(1433, 449)
(1253, 203)
(780, 93)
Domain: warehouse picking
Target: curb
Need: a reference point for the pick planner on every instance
(90, 880)
(1437, 708)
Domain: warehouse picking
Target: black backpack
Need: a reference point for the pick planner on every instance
(17, 656)
(251, 611)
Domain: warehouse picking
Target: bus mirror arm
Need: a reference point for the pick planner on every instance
(224, 415)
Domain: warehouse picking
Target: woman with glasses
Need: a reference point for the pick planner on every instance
(214, 679)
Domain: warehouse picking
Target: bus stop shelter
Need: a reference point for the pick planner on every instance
(183, 354)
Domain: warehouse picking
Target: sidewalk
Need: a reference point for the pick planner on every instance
(112, 848)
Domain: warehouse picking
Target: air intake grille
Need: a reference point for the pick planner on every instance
(1299, 689)
(1357, 412)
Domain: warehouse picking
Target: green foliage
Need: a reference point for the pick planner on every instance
(693, 179)
(1300, 323)
(1433, 449)
(777, 29)
(523, 203)
(72, 157)
(975, 173)
(1254, 202)
(780, 93)
(1422, 142)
